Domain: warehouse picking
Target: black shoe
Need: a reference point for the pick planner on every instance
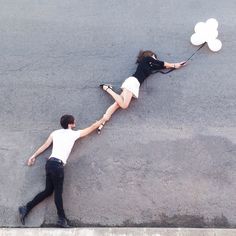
(109, 86)
(62, 223)
(23, 211)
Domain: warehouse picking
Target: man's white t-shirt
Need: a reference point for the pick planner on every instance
(63, 142)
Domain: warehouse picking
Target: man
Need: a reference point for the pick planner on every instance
(63, 141)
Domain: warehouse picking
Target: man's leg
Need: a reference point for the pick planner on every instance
(44, 194)
(24, 210)
(58, 180)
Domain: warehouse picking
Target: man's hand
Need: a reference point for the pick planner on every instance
(31, 161)
(94, 126)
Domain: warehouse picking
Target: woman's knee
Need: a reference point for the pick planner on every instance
(127, 96)
(124, 106)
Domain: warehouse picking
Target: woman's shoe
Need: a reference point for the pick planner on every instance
(99, 129)
(109, 86)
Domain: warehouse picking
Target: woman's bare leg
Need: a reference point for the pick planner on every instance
(122, 99)
(111, 109)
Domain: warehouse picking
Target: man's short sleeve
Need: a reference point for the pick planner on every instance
(76, 134)
(52, 134)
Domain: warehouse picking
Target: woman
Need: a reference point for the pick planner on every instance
(147, 64)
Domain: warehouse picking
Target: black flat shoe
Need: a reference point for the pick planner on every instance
(23, 211)
(62, 223)
(109, 86)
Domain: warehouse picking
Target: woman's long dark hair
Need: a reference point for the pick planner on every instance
(143, 54)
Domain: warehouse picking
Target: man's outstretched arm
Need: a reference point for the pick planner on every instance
(32, 159)
(94, 126)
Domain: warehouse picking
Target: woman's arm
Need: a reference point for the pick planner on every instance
(176, 65)
(158, 65)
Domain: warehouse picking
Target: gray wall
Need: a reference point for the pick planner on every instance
(169, 160)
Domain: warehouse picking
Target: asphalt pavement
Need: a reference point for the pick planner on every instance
(166, 161)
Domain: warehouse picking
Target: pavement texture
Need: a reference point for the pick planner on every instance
(117, 232)
(166, 161)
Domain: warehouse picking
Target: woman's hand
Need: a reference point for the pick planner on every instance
(180, 64)
(176, 65)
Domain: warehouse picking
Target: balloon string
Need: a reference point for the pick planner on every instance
(195, 52)
(166, 72)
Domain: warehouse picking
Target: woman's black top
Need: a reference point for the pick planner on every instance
(146, 67)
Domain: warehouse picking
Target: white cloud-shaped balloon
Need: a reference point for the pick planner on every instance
(207, 32)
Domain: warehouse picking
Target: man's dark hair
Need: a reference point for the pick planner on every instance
(66, 120)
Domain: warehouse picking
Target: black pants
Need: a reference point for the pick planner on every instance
(54, 182)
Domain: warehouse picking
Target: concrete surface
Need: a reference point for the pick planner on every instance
(168, 161)
(118, 232)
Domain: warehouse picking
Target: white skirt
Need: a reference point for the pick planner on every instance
(132, 85)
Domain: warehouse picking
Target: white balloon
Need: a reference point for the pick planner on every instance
(215, 45)
(211, 35)
(207, 32)
(212, 23)
(196, 39)
(199, 27)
